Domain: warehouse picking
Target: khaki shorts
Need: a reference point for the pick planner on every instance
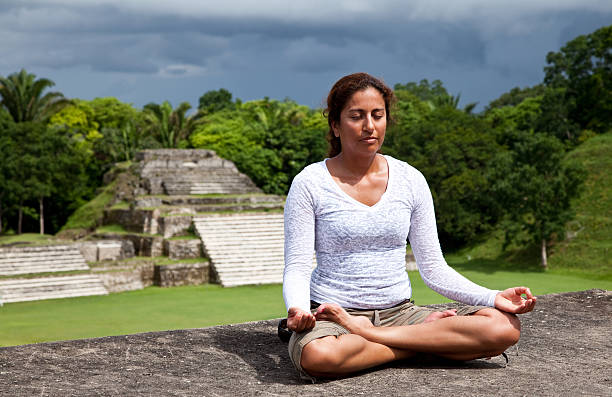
(406, 313)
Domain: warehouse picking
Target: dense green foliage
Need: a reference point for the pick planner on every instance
(502, 168)
(270, 141)
(169, 126)
(583, 70)
(589, 245)
(22, 95)
(452, 149)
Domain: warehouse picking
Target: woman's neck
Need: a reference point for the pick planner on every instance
(357, 167)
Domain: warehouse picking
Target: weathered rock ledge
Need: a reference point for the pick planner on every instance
(565, 349)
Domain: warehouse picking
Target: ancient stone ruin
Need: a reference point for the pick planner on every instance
(177, 217)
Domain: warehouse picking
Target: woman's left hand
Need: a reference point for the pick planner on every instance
(511, 300)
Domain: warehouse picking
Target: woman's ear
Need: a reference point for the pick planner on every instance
(335, 129)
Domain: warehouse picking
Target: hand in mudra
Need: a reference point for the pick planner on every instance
(512, 300)
(299, 320)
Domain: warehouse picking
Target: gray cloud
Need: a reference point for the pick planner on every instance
(144, 51)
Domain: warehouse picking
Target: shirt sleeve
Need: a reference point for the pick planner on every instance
(299, 244)
(432, 266)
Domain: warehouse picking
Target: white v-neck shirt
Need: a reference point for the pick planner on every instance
(361, 249)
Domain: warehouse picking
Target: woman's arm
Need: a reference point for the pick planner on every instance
(299, 248)
(433, 268)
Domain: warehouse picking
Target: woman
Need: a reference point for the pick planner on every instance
(356, 209)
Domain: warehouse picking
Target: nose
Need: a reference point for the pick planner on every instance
(368, 124)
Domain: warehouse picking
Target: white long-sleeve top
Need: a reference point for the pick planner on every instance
(361, 250)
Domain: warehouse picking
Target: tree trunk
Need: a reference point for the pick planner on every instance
(20, 217)
(544, 258)
(42, 218)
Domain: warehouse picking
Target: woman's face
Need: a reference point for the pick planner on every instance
(363, 122)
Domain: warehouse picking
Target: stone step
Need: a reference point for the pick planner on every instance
(251, 238)
(251, 227)
(240, 222)
(188, 208)
(214, 189)
(226, 219)
(244, 248)
(38, 248)
(195, 200)
(41, 260)
(15, 270)
(257, 268)
(21, 290)
(194, 173)
(239, 254)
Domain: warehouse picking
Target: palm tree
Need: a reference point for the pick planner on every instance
(22, 95)
(169, 126)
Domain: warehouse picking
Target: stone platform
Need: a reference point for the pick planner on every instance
(564, 350)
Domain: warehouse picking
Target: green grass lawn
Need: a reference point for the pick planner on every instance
(155, 309)
(27, 238)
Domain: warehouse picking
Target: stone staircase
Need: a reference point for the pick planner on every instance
(53, 258)
(189, 171)
(182, 191)
(21, 290)
(244, 248)
(19, 261)
(216, 181)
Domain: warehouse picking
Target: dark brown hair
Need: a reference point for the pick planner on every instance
(342, 92)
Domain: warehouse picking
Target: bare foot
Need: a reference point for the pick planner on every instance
(438, 315)
(335, 313)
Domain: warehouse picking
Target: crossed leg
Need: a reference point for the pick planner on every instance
(486, 333)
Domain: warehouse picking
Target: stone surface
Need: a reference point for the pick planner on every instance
(142, 245)
(89, 250)
(175, 225)
(110, 250)
(178, 274)
(183, 249)
(564, 350)
(177, 172)
(128, 278)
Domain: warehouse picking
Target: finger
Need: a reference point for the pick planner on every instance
(311, 322)
(523, 291)
(529, 304)
(527, 292)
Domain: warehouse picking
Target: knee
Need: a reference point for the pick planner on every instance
(319, 357)
(504, 329)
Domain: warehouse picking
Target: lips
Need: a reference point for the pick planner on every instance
(369, 139)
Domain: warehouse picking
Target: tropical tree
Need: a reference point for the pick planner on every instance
(269, 140)
(516, 95)
(170, 127)
(215, 100)
(453, 149)
(22, 96)
(7, 165)
(535, 186)
(583, 68)
(47, 163)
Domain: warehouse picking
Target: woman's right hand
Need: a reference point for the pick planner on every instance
(299, 320)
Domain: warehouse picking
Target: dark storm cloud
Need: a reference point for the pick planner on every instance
(108, 39)
(162, 50)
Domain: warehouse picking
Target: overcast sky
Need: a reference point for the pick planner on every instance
(144, 51)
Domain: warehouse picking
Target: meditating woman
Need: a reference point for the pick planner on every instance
(356, 209)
